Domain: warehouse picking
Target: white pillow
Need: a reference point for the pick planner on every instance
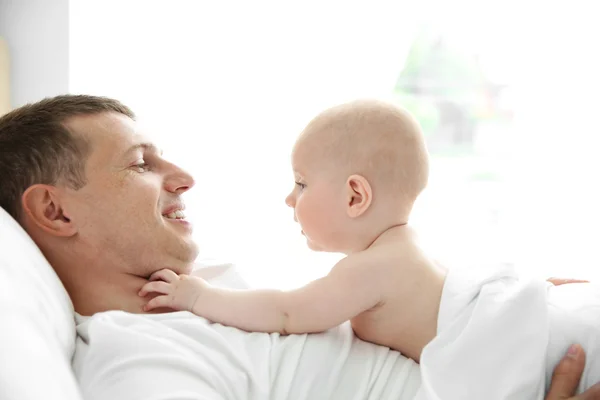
(37, 326)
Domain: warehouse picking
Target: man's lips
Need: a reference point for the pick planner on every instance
(174, 211)
(173, 208)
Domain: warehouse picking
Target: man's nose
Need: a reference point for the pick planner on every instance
(178, 181)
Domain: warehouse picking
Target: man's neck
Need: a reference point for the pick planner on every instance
(96, 285)
(93, 293)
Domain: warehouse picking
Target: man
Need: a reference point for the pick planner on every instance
(105, 208)
(96, 197)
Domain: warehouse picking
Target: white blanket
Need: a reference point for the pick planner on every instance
(500, 336)
(181, 356)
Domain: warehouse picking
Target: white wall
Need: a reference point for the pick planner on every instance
(37, 33)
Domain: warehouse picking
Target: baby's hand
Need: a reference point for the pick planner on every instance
(177, 292)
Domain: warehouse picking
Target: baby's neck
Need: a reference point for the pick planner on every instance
(395, 232)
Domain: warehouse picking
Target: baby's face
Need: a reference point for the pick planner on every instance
(318, 202)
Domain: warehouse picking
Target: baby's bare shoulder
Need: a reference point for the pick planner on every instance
(377, 259)
(393, 256)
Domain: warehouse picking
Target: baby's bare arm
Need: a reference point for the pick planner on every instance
(349, 289)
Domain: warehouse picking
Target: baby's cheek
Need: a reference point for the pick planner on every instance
(301, 211)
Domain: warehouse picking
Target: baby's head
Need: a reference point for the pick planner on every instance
(359, 167)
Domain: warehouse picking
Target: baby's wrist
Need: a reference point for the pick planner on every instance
(203, 295)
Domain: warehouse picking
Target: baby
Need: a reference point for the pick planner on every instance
(359, 168)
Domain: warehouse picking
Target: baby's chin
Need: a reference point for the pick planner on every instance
(315, 247)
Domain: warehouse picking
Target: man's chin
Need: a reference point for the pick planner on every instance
(180, 268)
(194, 250)
(186, 256)
(186, 269)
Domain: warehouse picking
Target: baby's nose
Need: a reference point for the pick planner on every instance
(289, 200)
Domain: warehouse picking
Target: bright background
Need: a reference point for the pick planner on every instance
(507, 94)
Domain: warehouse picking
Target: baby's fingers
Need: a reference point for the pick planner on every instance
(563, 281)
(155, 287)
(164, 275)
(160, 301)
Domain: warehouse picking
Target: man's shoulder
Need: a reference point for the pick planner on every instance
(120, 348)
(219, 273)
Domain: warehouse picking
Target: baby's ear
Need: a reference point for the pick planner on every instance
(42, 206)
(359, 195)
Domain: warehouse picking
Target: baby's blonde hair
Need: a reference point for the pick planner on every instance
(372, 138)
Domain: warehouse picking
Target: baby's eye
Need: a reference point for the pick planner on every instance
(300, 185)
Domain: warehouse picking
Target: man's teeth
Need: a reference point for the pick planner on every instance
(175, 215)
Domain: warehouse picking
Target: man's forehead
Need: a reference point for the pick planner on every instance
(146, 131)
(111, 127)
(100, 127)
(143, 137)
(112, 135)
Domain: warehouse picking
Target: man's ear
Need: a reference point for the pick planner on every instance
(42, 206)
(359, 195)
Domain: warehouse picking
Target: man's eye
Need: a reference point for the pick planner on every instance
(142, 167)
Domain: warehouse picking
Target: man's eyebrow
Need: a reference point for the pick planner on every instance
(144, 146)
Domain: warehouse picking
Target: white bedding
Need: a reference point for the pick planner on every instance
(37, 328)
(181, 356)
(500, 336)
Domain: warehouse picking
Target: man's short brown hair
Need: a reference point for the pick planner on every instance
(36, 147)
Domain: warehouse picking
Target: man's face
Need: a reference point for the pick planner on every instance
(129, 212)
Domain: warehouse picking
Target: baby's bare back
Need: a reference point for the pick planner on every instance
(411, 287)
